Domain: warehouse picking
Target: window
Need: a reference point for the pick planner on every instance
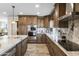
(3, 26)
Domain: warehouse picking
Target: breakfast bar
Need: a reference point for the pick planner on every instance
(9, 44)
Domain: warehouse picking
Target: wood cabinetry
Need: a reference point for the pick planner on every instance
(34, 20)
(40, 38)
(49, 45)
(62, 9)
(21, 48)
(18, 49)
(24, 21)
(59, 11)
(40, 22)
(43, 38)
(46, 21)
(62, 12)
(24, 46)
(43, 21)
(63, 24)
(76, 7)
(54, 50)
(27, 20)
(32, 39)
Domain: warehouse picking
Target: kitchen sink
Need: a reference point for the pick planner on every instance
(68, 45)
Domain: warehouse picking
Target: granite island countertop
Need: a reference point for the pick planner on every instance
(68, 53)
(8, 42)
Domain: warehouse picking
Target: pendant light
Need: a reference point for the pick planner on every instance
(13, 15)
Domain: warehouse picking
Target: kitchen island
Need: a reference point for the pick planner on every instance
(12, 45)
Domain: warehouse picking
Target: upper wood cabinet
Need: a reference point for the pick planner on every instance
(59, 11)
(46, 21)
(40, 22)
(33, 20)
(27, 20)
(62, 12)
(76, 7)
(62, 9)
(23, 22)
(43, 21)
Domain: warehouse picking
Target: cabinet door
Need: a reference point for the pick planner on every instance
(52, 53)
(34, 20)
(23, 47)
(46, 22)
(18, 50)
(49, 44)
(24, 21)
(54, 50)
(43, 39)
(57, 50)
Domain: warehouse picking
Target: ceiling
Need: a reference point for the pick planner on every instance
(26, 8)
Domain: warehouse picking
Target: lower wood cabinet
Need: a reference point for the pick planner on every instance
(57, 50)
(18, 49)
(32, 39)
(21, 48)
(24, 46)
(43, 39)
(54, 50)
(40, 38)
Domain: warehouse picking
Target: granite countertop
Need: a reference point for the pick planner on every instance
(8, 42)
(68, 53)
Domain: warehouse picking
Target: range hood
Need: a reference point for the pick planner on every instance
(73, 16)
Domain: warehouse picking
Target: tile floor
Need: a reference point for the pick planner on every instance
(37, 50)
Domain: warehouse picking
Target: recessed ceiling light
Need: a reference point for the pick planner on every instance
(21, 13)
(37, 5)
(38, 13)
(4, 13)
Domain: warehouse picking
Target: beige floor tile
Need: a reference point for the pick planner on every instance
(37, 50)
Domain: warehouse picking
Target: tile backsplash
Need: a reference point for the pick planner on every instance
(76, 31)
(74, 35)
